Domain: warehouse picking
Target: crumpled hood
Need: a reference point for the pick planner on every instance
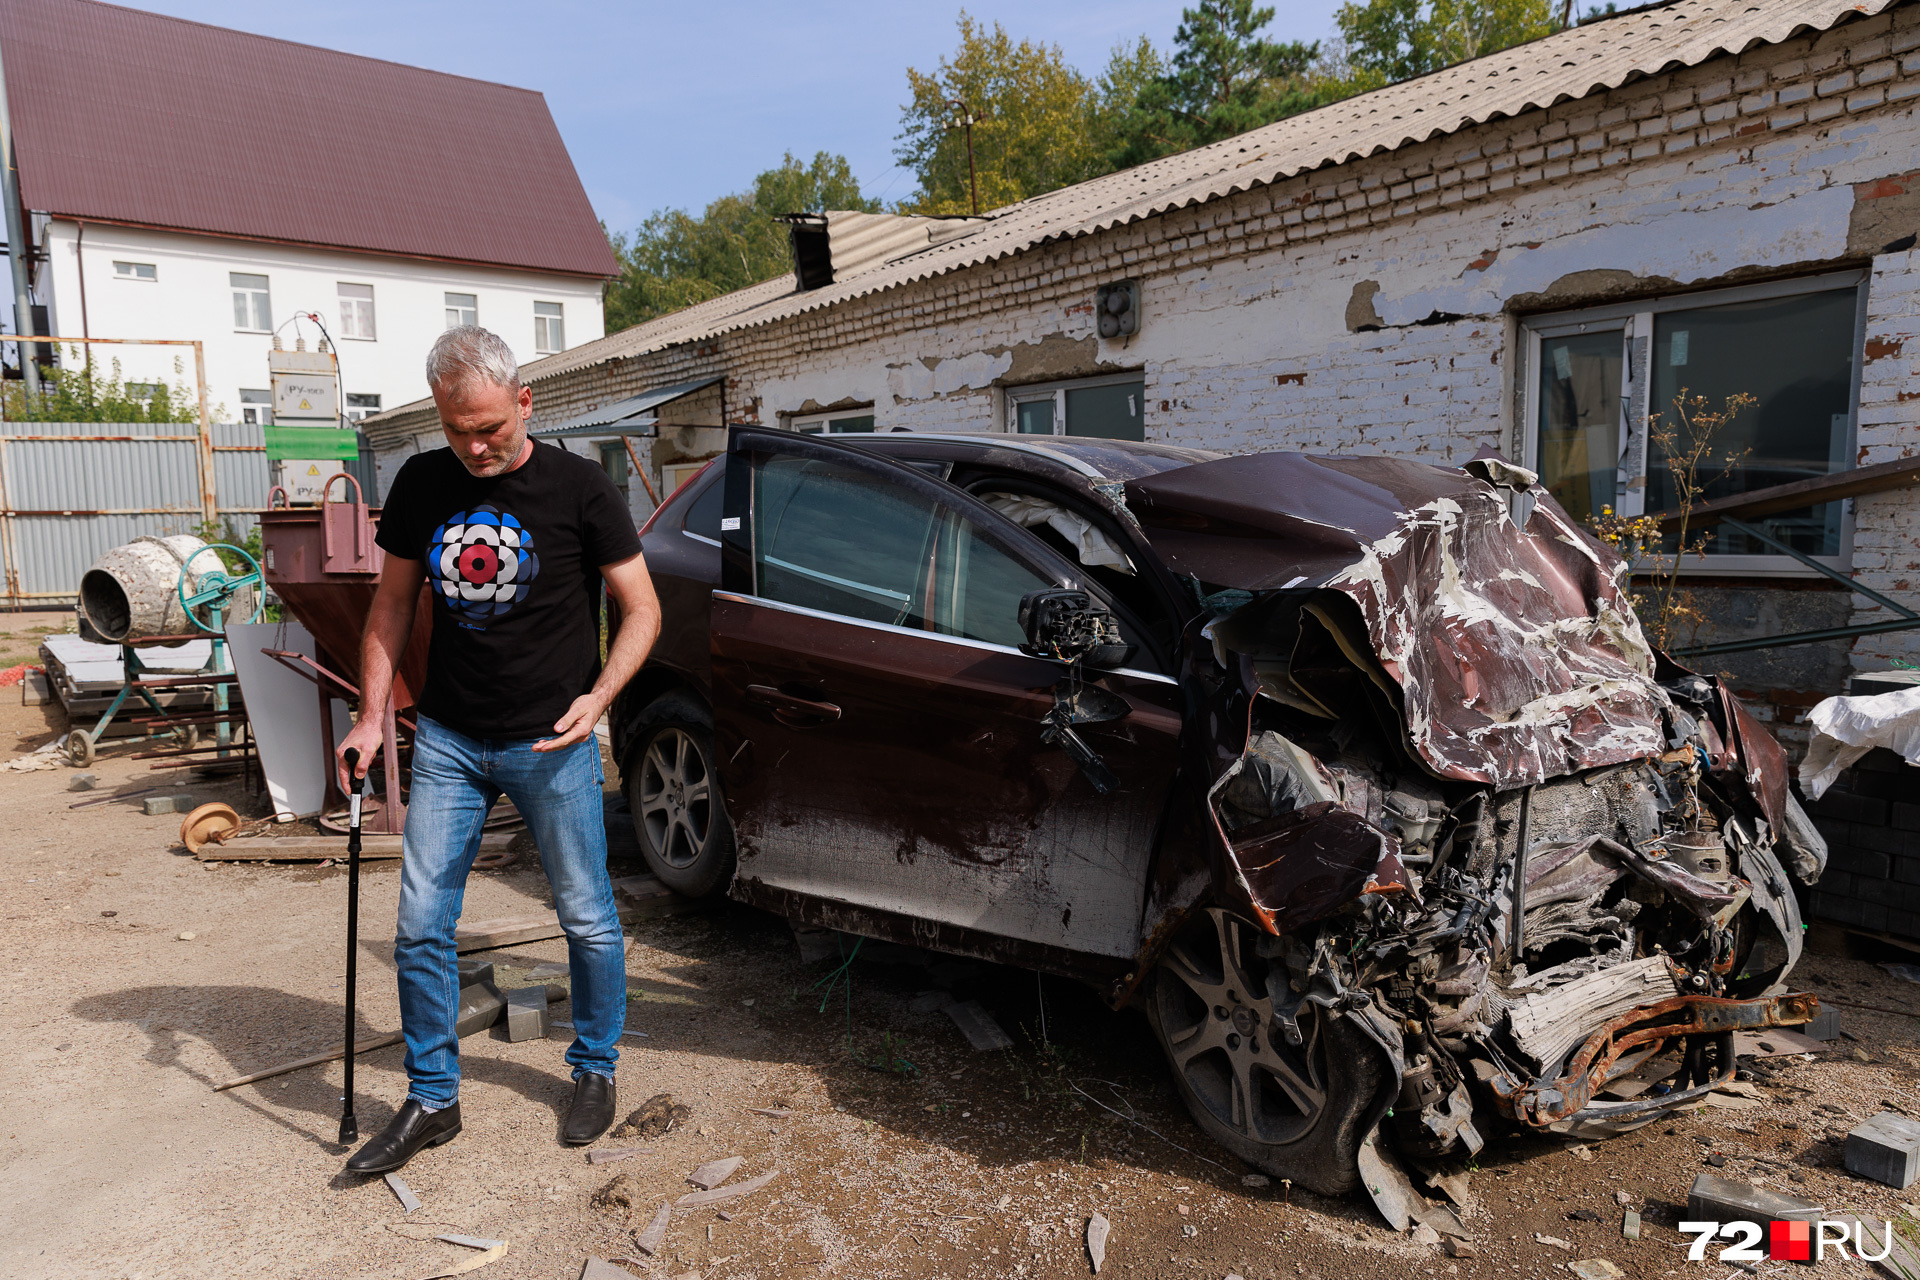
(1517, 655)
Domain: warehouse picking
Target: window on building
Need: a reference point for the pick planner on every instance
(613, 459)
(833, 424)
(360, 404)
(356, 311)
(549, 328)
(256, 406)
(1111, 408)
(252, 313)
(135, 271)
(144, 392)
(462, 308)
(1597, 377)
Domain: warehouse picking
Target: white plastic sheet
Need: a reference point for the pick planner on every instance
(1844, 729)
(283, 709)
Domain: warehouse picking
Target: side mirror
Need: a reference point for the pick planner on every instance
(1064, 624)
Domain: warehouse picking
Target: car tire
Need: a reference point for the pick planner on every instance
(673, 792)
(1208, 1005)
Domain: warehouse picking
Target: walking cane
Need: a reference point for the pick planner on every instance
(349, 1126)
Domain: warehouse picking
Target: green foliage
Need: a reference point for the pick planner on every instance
(675, 259)
(1038, 123)
(1225, 79)
(78, 392)
(1393, 40)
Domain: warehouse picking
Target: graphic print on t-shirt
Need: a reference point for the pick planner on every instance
(482, 563)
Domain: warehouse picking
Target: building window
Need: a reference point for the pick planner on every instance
(135, 271)
(549, 328)
(1112, 408)
(462, 308)
(815, 424)
(1597, 378)
(356, 311)
(251, 311)
(256, 407)
(360, 405)
(144, 392)
(613, 457)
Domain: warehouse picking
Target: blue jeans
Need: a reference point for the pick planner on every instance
(456, 779)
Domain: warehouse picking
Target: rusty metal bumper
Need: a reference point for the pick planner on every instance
(1566, 1105)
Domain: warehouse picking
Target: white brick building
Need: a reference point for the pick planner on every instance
(1529, 251)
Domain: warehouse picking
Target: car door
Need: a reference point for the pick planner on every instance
(877, 728)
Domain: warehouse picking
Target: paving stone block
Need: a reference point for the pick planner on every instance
(1906, 816)
(480, 1006)
(1849, 806)
(527, 1013)
(1825, 1027)
(1865, 863)
(1716, 1199)
(156, 805)
(474, 970)
(1886, 1149)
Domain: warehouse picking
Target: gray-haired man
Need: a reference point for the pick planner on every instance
(513, 539)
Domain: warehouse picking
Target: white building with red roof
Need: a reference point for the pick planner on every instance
(189, 181)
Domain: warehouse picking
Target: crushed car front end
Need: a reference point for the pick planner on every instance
(1465, 820)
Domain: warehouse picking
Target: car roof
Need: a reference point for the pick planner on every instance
(1102, 461)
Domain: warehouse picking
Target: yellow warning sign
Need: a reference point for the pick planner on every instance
(313, 468)
(305, 405)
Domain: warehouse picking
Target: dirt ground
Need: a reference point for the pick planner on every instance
(906, 1155)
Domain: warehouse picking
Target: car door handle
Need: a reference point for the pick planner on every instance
(767, 695)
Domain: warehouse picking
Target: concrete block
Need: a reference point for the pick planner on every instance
(1886, 1149)
(1847, 806)
(472, 970)
(1825, 1027)
(1906, 816)
(83, 782)
(35, 691)
(157, 805)
(1716, 1199)
(1866, 863)
(480, 1006)
(527, 1013)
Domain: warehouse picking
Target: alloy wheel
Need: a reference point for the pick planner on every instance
(1217, 1020)
(676, 790)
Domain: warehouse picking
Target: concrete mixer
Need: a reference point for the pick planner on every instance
(166, 591)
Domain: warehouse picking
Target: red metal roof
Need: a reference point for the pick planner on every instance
(133, 117)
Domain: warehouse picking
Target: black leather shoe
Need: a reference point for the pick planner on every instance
(592, 1111)
(414, 1128)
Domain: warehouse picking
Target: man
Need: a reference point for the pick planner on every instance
(513, 538)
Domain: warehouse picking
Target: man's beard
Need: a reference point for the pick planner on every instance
(496, 463)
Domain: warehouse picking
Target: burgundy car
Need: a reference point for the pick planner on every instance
(1357, 775)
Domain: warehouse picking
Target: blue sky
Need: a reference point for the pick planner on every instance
(666, 105)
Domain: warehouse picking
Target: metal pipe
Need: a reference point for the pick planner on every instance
(16, 240)
(80, 270)
(209, 501)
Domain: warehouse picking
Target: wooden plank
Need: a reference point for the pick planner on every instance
(325, 1055)
(1850, 483)
(637, 898)
(320, 848)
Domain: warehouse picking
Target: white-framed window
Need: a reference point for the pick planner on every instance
(1594, 378)
(832, 424)
(1111, 408)
(549, 328)
(356, 311)
(462, 308)
(360, 404)
(256, 406)
(252, 312)
(135, 271)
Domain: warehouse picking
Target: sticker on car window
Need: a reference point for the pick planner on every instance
(729, 524)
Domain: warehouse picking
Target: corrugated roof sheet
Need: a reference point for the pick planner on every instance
(137, 118)
(630, 414)
(1572, 64)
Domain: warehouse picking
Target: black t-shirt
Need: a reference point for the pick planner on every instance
(513, 562)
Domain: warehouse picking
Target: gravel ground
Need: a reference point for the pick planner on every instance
(118, 1160)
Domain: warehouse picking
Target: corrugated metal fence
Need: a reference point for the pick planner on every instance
(71, 490)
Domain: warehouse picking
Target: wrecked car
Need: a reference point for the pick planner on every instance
(1357, 775)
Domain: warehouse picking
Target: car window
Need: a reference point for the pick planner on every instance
(703, 513)
(833, 538)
